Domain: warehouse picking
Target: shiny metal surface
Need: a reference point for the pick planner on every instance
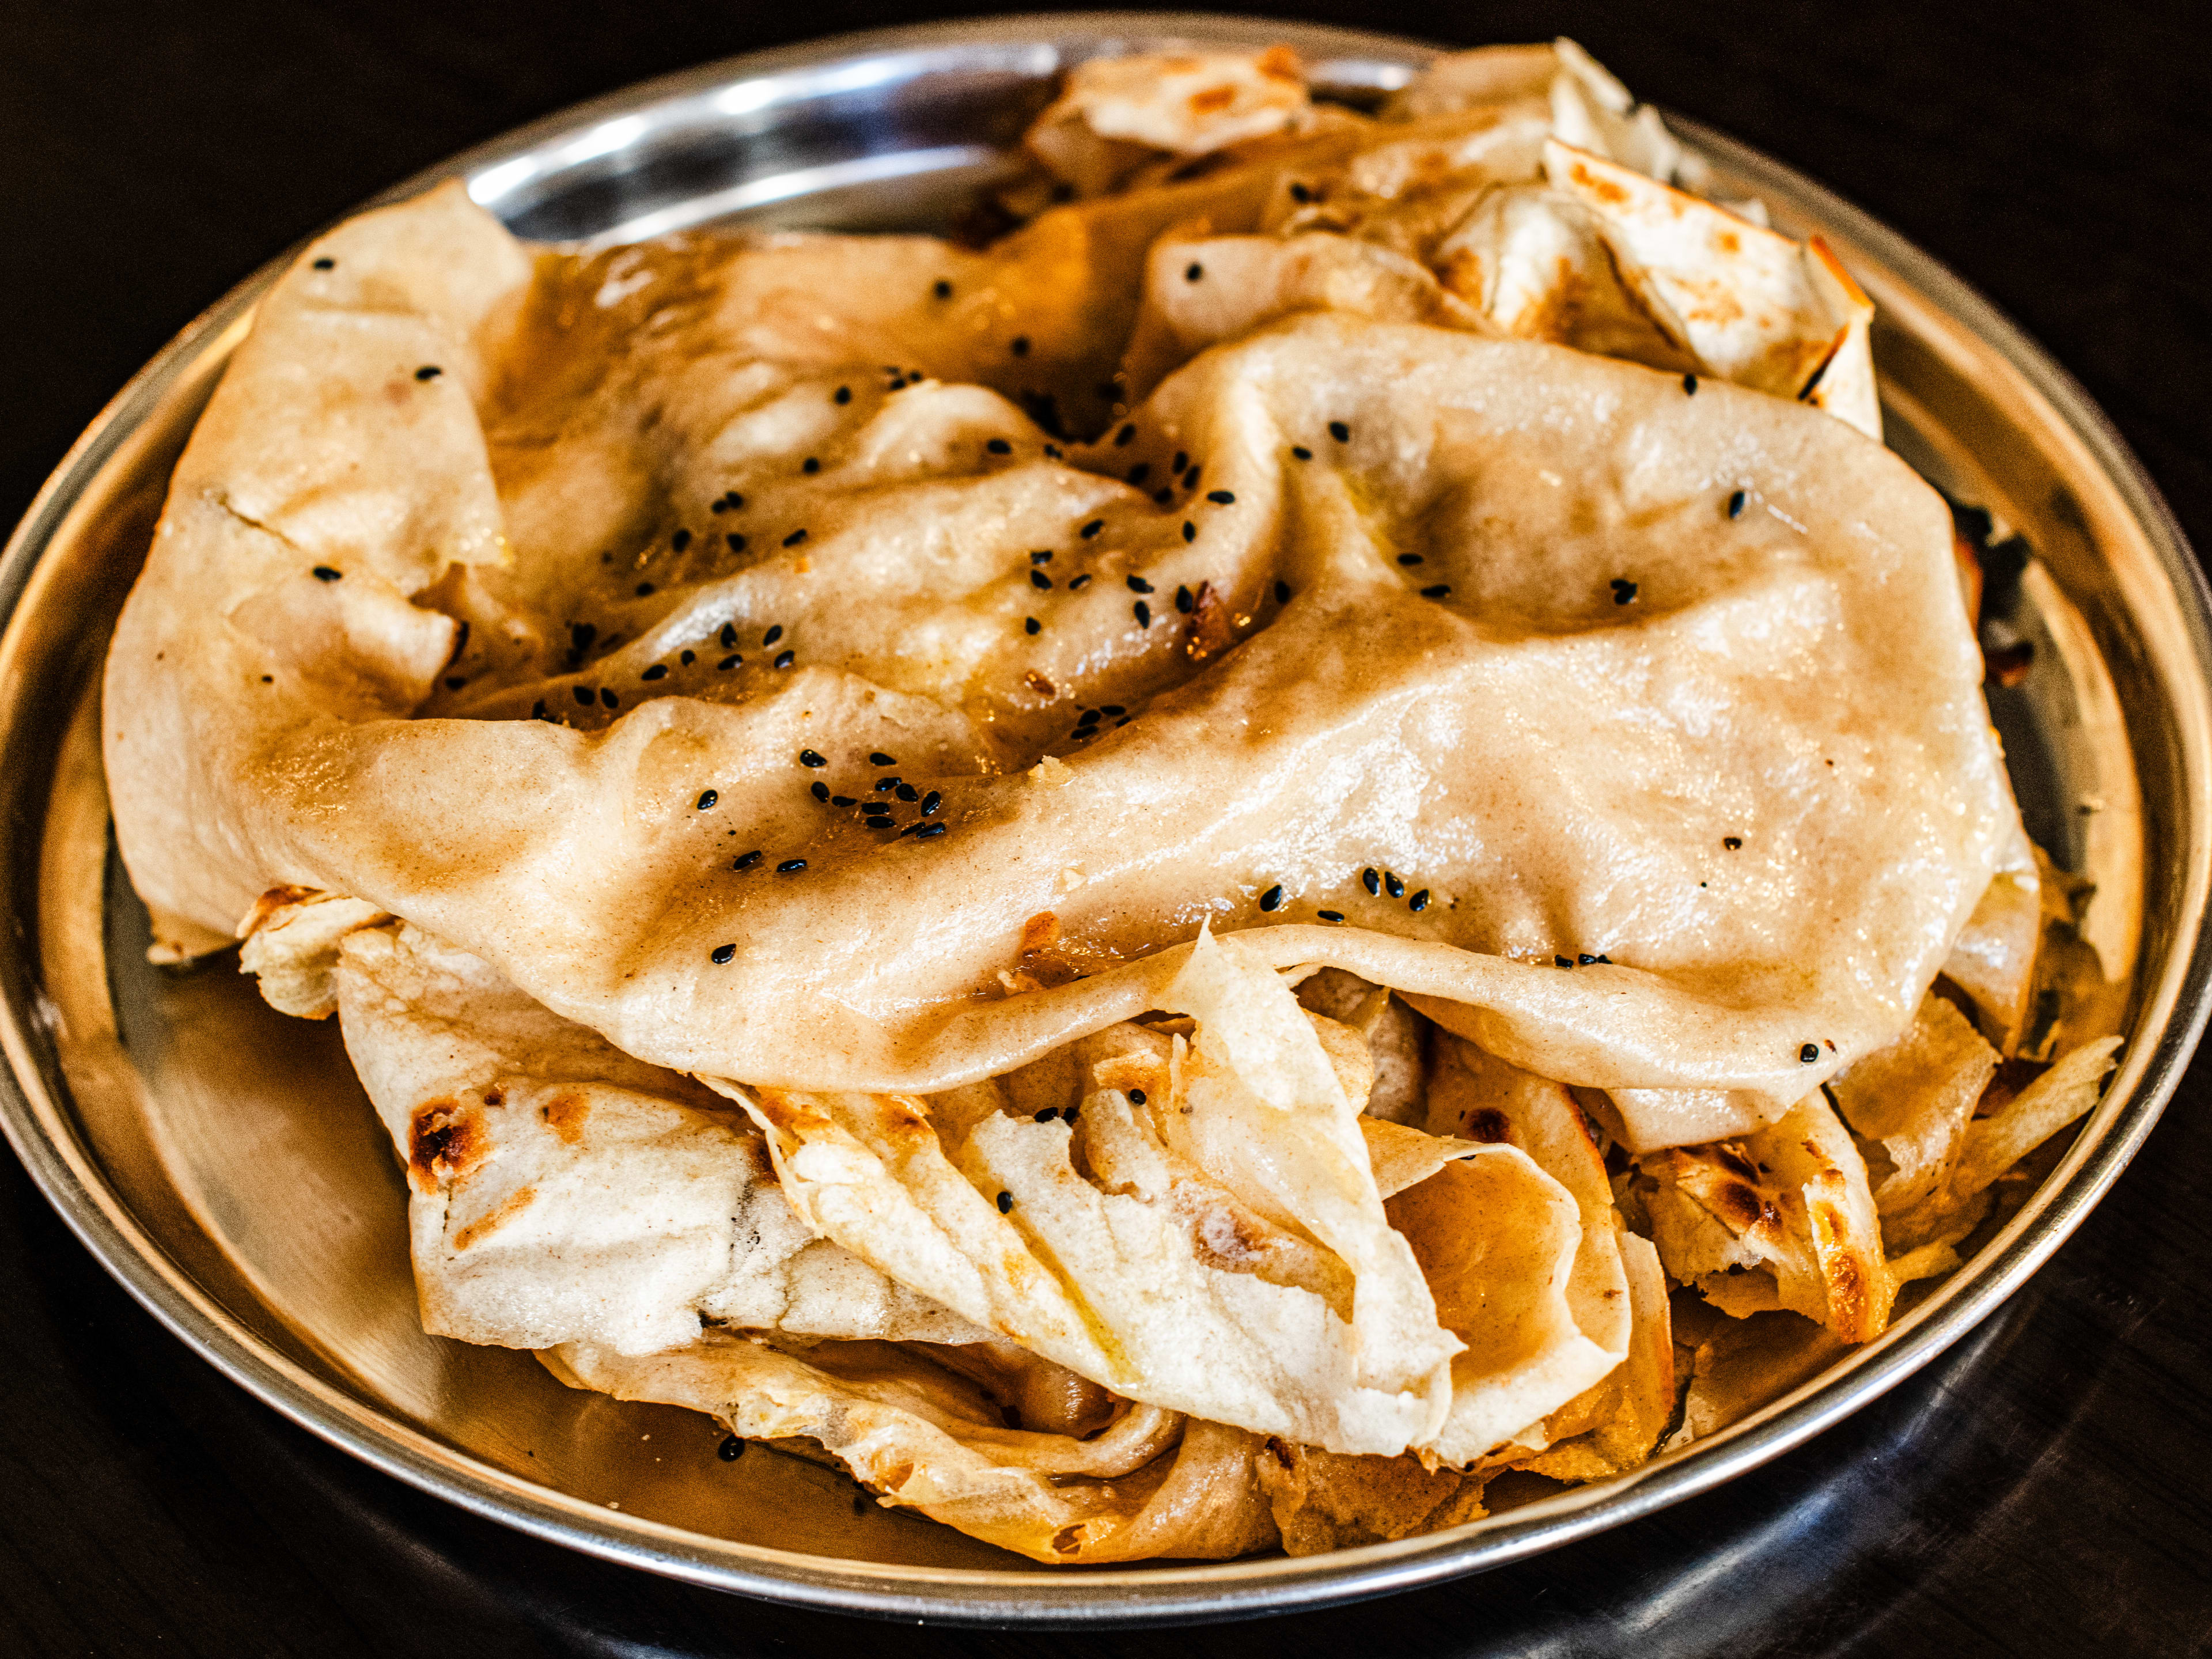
(220, 1160)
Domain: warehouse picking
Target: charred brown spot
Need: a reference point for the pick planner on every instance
(495, 1097)
(1490, 1126)
(1604, 189)
(1212, 629)
(1740, 1205)
(443, 1142)
(1040, 932)
(1280, 63)
(1213, 98)
(1278, 1451)
(484, 1225)
(1039, 958)
(1040, 684)
(564, 1115)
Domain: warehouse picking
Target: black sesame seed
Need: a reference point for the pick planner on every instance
(1189, 530)
(1623, 590)
(885, 784)
(689, 658)
(879, 758)
(1192, 271)
(794, 538)
(1091, 717)
(1371, 882)
(1142, 613)
(1046, 1116)
(1136, 1097)
(998, 447)
(1006, 1202)
(728, 662)
(1410, 558)
(1340, 431)
(1605, 959)
(843, 800)
(1282, 593)
(1809, 1053)
(1437, 591)
(1418, 902)
(930, 831)
(930, 803)
(1330, 915)
(707, 798)
(1190, 476)
(731, 1450)
(811, 757)
(746, 860)
(680, 540)
(736, 502)
(1039, 580)
(1125, 436)
(875, 821)
(791, 867)
(1299, 192)
(1184, 601)
(1091, 529)
(429, 371)
(1042, 555)
(783, 659)
(719, 506)
(729, 635)
(819, 790)
(583, 695)
(1138, 473)
(1031, 625)
(722, 954)
(1563, 962)
(773, 634)
(1221, 498)
(645, 590)
(455, 682)
(812, 464)
(1074, 582)
(1164, 494)
(1690, 385)
(325, 264)
(906, 792)
(1736, 505)
(658, 671)
(1181, 460)
(1110, 709)
(941, 288)
(1272, 899)
(325, 574)
(1301, 452)
(1734, 843)
(536, 710)
(608, 697)
(1393, 885)
(1138, 585)
(1021, 345)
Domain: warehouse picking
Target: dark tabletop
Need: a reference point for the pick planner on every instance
(2043, 1489)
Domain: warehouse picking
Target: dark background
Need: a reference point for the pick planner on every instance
(2042, 1489)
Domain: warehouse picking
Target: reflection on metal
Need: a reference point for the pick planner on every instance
(220, 1160)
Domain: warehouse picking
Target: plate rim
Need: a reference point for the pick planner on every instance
(42, 1134)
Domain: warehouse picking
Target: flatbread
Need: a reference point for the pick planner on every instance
(1789, 701)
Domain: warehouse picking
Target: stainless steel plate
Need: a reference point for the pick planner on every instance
(221, 1160)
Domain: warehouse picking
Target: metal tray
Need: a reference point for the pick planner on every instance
(221, 1160)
